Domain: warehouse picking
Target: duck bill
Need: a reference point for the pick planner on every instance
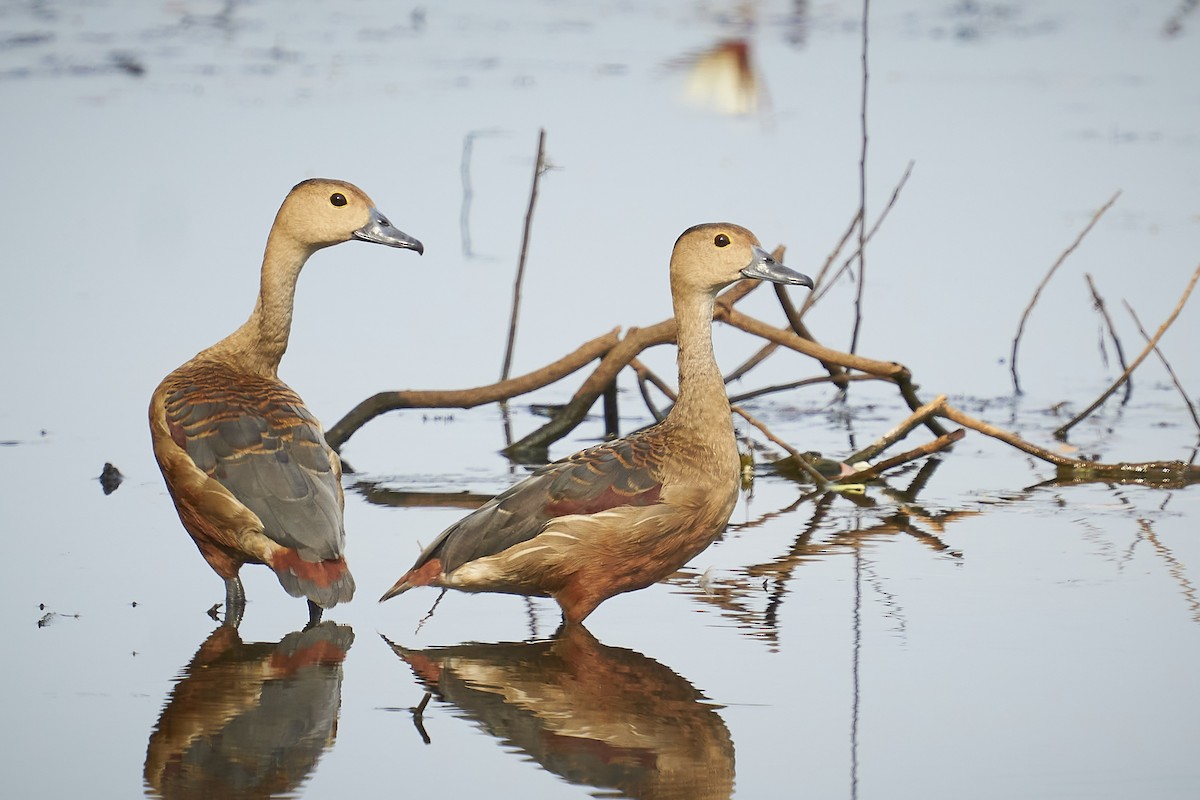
(765, 268)
(380, 231)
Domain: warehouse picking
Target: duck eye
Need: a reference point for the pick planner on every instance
(721, 241)
(338, 199)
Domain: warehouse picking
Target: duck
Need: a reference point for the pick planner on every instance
(244, 460)
(624, 514)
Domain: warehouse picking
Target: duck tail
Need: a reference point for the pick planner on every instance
(326, 583)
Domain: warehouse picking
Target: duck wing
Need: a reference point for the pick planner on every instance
(625, 472)
(258, 440)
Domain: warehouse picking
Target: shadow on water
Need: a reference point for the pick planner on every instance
(249, 720)
(598, 716)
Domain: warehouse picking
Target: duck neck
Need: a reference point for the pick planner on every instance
(259, 344)
(702, 402)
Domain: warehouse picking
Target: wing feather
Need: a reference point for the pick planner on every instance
(255, 437)
(626, 472)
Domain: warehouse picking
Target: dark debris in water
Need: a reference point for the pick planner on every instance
(110, 478)
(49, 617)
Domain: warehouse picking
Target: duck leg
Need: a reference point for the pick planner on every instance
(235, 601)
(314, 615)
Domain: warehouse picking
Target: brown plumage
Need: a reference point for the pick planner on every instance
(624, 514)
(245, 462)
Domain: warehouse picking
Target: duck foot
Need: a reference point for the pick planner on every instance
(314, 615)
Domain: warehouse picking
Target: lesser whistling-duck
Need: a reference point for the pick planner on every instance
(624, 514)
(245, 462)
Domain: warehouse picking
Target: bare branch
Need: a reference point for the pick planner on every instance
(1062, 431)
(897, 433)
(1174, 379)
(538, 167)
(929, 448)
(382, 402)
(1112, 333)
(1012, 361)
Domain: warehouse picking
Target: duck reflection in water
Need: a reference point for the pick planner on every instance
(249, 720)
(595, 715)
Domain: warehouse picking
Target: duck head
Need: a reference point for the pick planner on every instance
(716, 254)
(321, 212)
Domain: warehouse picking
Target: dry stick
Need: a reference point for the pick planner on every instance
(1012, 361)
(819, 278)
(1061, 432)
(899, 432)
(382, 402)
(538, 168)
(783, 387)
(929, 448)
(1154, 470)
(862, 185)
(1190, 407)
(1112, 333)
(890, 370)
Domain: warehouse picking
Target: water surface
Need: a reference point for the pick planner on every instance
(970, 629)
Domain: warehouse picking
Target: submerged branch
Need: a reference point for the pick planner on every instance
(1072, 468)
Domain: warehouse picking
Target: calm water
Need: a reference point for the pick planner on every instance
(969, 630)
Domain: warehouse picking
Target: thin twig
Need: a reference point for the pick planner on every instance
(783, 387)
(862, 185)
(875, 470)
(1012, 361)
(897, 433)
(819, 281)
(538, 168)
(1062, 431)
(1112, 333)
(1174, 379)
(823, 287)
